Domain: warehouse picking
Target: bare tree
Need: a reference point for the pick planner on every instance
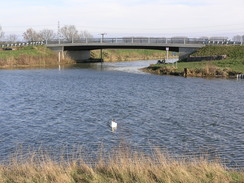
(31, 35)
(85, 34)
(1, 32)
(218, 38)
(46, 34)
(70, 33)
(12, 38)
(237, 38)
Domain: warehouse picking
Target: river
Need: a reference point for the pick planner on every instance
(67, 107)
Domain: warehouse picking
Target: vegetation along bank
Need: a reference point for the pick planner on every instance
(30, 56)
(120, 166)
(229, 67)
(233, 64)
(40, 56)
(121, 55)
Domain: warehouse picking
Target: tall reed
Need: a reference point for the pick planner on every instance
(121, 165)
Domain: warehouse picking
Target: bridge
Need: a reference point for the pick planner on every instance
(79, 50)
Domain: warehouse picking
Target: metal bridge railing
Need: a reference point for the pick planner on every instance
(7, 44)
(125, 40)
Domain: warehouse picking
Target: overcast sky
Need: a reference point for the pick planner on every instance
(192, 18)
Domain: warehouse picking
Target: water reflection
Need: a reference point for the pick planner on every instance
(132, 67)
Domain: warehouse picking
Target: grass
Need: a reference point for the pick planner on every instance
(119, 55)
(199, 69)
(30, 56)
(234, 64)
(231, 51)
(28, 50)
(122, 165)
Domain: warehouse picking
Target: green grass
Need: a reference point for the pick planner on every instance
(234, 61)
(234, 64)
(219, 68)
(30, 56)
(230, 51)
(119, 55)
(28, 50)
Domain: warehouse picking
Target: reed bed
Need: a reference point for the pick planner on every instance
(121, 165)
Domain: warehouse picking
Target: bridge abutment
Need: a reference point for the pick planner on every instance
(184, 52)
(59, 50)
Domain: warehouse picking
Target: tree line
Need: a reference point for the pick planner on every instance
(238, 38)
(67, 32)
(70, 33)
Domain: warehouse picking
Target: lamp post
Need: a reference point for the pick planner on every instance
(102, 34)
(58, 32)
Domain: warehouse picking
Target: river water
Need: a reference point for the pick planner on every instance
(53, 108)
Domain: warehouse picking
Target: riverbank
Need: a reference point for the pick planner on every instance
(226, 68)
(121, 166)
(122, 55)
(30, 56)
(40, 56)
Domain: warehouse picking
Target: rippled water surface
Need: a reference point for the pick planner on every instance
(54, 108)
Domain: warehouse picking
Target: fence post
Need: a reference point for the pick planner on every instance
(185, 72)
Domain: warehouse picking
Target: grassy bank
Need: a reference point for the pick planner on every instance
(234, 64)
(30, 56)
(231, 51)
(222, 68)
(121, 166)
(119, 55)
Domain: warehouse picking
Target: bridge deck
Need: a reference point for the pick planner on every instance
(154, 46)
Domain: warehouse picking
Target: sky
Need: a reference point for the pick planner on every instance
(118, 18)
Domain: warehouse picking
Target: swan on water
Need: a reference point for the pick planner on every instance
(113, 124)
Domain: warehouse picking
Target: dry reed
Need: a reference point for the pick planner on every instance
(122, 165)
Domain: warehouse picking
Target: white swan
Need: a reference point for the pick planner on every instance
(113, 124)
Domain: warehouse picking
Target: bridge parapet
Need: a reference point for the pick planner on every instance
(126, 40)
(146, 40)
(132, 40)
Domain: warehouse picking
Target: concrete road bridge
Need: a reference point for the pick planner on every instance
(79, 50)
